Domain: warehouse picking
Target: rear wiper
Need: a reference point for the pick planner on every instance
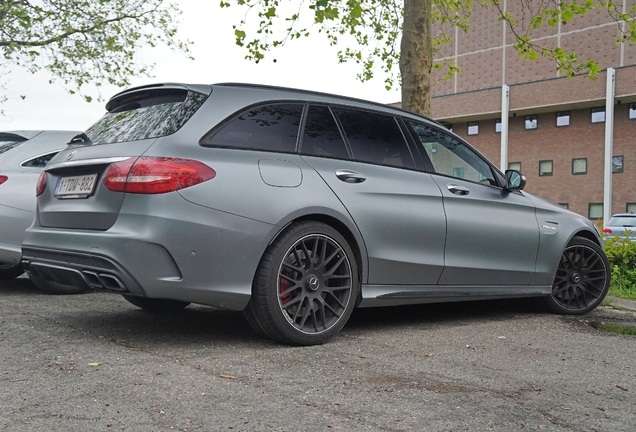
(80, 139)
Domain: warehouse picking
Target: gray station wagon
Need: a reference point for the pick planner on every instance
(296, 207)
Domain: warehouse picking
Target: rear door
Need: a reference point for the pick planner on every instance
(397, 208)
(492, 235)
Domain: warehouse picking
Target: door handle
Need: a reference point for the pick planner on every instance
(457, 189)
(349, 176)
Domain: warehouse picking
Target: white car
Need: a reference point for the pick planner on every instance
(23, 156)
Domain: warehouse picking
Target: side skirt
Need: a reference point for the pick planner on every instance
(394, 295)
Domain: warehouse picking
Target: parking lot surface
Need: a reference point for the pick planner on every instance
(93, 362)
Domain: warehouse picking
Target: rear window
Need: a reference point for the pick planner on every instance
(9, 141)
(151, 114)
(624, 221)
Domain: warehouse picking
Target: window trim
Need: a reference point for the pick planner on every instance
(531, 117)
(472, 124)
(589, 210)
(627, 207)
(622, 164)
(551, 166)
(510, 168)
(582, 172)
(563, 114)
(597, 110)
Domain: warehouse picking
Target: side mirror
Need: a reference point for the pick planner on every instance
(515, 181)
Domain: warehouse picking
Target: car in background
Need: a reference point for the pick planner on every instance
(296, 207)
(622, 225)
(23, 156)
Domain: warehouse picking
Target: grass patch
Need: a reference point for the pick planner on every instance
(616, 328)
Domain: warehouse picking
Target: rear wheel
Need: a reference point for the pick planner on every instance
(305, 287)
(582, 278)
(155, 304)
(55, 288)
(10, 271)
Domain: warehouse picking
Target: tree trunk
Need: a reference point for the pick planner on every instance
(416, 56)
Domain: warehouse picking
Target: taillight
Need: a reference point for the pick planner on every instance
(41, 185)
(607, 231)
(155, 175)
(3, 178)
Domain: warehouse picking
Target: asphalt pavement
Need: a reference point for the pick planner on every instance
(93, 362)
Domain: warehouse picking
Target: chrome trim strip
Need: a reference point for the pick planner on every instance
(86, 162)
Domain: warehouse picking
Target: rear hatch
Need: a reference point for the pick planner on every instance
(622, 225)
(72, 191)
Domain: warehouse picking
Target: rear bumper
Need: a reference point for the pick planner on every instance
(200, 255)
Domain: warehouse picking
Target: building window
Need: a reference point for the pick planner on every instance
(545, 168)
(632, 111)
(579, 166)
(458, 172)
(532, 122)
(617, 164)
(565, 205)
(598, 115)
(595, 211)
(514, 166)
(498, 125)
(631, 208)
(473, 128)
(563, 118)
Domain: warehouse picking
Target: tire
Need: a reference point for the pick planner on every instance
(55, 288)
(155, 304)
(582, 278)
(305, 286)
(10, 271)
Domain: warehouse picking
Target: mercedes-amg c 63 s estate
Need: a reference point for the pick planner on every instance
(296, 207)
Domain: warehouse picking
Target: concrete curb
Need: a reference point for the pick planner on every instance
(621, 303)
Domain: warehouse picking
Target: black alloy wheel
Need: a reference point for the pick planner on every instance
(305, 287)
(582, 278)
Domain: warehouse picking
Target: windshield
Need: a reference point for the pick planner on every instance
(148, 115)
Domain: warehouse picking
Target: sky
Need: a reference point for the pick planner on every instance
(308, 63)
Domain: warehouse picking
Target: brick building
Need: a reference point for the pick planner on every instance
(556, 129)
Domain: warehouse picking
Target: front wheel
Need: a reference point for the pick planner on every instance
(305, 287)
(582, 278)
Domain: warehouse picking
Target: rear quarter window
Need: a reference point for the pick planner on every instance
(271, 127)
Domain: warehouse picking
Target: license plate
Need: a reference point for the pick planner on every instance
(75, 187)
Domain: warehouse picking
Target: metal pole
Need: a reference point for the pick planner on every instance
(505, 109)
(609, 144)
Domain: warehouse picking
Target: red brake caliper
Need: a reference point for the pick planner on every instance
(283, 284)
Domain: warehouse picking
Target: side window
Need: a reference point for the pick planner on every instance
(321, 136)
(270, 128)
(451, 157)
(39, 162)
(374, 138)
